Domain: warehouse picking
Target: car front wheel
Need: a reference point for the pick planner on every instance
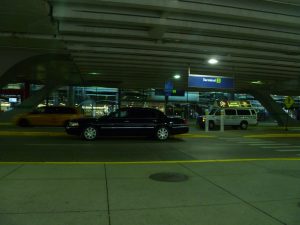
(89, 133)
(23, 123)
(162, 133)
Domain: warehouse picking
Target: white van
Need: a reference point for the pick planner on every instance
(235, 117)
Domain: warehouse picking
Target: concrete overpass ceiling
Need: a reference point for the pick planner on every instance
(129, 43)
(25, 16)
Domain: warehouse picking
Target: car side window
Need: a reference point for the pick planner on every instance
(218, 113)
(114, 114)
(243, 112)
(123, 114)
(49, 111)
(160, 114)
(253, 112)
(230, 112)
(148, 113)
(67, 110)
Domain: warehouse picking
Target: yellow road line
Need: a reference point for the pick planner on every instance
(4, 124)
(31, 133)
(272, 136)
(153, 162)
(194, 136)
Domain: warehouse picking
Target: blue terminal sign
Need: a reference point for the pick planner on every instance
(208, 81)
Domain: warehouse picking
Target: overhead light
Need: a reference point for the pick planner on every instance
(94, 73)
(177, 76)
(213, 61)
(256, 82)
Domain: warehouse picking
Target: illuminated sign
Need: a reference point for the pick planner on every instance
(168, 88)
(12, 99)
(234, 104)
(208, 81)
(169, 93)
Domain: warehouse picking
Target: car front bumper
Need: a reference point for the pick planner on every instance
(73, 130)
(180, 130)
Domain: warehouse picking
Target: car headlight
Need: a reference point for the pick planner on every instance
(73, 124)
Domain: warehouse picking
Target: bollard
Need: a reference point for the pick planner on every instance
(222, 120)
(206, 120)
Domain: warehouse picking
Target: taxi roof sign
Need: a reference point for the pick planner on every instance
(288, 102)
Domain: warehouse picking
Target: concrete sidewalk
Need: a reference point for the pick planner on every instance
(218, 193)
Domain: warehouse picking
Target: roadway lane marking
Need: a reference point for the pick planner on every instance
(31, 133)
(230, 139)
(256, 142)
(288, 150)
(5, 124)
(155, 162)
(60, 144)
(269, 144)
(291, 146)
(272, 136)
(194, 136)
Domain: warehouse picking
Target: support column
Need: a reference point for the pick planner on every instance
(119, 98)
(26, 90)
(273, 107)
(71, 96)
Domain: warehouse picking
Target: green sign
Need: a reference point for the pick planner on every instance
(288, 102)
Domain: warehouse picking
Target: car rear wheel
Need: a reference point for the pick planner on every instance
(23, 123)
(244, 125)
(162, 133)
(89, 133)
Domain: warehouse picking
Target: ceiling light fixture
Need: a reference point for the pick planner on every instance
(256, 82)
(213, 61)
(94, 73)
(177, 76)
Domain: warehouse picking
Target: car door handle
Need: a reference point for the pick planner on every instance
(126, 121)
(154, 121)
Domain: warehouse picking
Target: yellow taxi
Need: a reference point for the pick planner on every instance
(49, 116)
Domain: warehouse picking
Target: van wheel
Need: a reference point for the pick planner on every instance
(211, 125)
(244, 125)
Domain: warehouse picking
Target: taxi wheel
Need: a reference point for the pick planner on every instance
(23, 123)
(89, 133)
(162, 133)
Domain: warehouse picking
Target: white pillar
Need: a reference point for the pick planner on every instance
(222, 120)
(206, 120)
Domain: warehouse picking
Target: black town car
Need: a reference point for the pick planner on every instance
(128, 121)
